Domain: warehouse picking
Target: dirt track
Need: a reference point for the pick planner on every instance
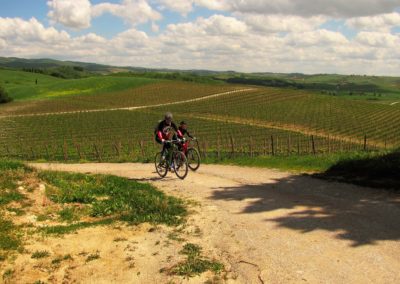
(274, 227)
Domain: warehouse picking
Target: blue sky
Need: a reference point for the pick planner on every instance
(245, 35)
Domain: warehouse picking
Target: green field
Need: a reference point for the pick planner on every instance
(22, 85)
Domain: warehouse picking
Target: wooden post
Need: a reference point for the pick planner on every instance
(272, 146)
(218, 147)
(232, 146)
(265, 146)
(365, 142)
(78, 150)
(141, 144)
(97, 152)
(289, 145)
(117, 148)
(313, 145)
(251, 147)
(298, 145)
(65, 150)
(329, 144)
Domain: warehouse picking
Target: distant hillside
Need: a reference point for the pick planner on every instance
(374, 88)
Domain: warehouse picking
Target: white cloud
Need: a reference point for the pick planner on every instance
(281, 23)
(19, 30)
(74, 14)
(336, 8)
(378, 39)
(133, 11)
(382, 22)
(180, 6)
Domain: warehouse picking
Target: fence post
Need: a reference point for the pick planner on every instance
(289, 145)
(365, 142)
(265, 146)
(313, 144)
(65, 150)
(272, 146)
(298, 145)
(141, 144)
(218, 147)
(78, 150)
(251, 146)
(232, 146)
(97, 152)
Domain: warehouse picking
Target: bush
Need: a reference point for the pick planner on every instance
(4, 98)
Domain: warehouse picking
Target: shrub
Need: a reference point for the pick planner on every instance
(4, 98)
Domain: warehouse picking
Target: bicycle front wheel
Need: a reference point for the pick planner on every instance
(161, 165)
(180, 165)
(193, 158)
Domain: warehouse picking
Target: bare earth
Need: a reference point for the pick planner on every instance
(266, 226)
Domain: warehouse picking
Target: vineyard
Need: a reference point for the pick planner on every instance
(149, 94)
(299, 111)
(128, 135)
(229, 120)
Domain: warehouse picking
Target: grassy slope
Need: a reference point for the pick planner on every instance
(76, 201)
(22, 85)
(304, 163)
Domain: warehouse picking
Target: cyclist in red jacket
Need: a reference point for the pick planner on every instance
(164, 132)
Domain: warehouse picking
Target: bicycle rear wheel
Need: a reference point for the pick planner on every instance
(193, 158)
(161, 165)
(180, 165)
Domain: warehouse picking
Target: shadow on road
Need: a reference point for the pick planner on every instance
(360, 215)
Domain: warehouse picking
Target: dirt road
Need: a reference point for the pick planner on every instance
(274, 227)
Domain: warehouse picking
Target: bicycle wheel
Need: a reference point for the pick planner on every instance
(161, 165)
(180, 165)
(193, 158)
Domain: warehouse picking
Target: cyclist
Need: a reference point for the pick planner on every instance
(164, 132)
(183, 131)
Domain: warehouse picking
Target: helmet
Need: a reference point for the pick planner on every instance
(168, 115)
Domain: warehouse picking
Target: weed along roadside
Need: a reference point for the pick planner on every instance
(61, 227)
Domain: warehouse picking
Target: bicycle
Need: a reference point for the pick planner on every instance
(192, 154)
(177, 161)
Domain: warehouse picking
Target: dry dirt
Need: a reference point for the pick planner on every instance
(266, 226)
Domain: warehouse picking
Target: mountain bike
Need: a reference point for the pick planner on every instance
(192, 154)
(174, 161)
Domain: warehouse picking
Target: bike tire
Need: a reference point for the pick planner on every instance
(181, 165)
(193, 158)
(161, 166)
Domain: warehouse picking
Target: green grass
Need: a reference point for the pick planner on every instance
(67, 229)
(110, 196)
(305, 163)
(92, 257)
(40, 254)
(22, 85)
(68, 214)
(9, 236)
(194, 264)
(378, 170)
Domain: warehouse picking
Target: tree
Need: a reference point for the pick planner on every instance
(4, 98)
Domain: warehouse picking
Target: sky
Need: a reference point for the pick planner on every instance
(306, 36)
